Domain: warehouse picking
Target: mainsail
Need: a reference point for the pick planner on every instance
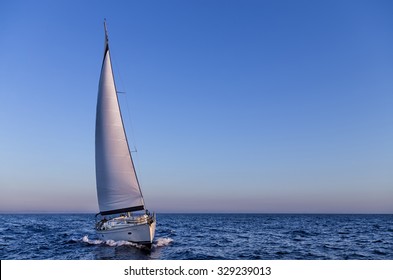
(118, 188)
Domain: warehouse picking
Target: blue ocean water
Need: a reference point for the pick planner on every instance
(203, 236)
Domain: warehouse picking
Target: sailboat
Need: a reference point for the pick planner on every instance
(123, 215)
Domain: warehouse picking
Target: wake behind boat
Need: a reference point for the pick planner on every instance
(123, 215)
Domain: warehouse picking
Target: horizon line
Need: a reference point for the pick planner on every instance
(208, 213)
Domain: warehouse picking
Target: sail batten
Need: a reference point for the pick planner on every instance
(118, 188)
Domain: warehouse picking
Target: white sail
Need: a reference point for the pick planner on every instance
(118, 189)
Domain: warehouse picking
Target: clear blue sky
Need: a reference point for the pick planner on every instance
(234, 106)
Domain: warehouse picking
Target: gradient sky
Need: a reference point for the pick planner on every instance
(234, 106)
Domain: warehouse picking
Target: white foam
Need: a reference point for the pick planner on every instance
(163, 241)
(160, 242)
(93, 242)
(110, 243)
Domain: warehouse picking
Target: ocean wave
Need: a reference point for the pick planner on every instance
(244, 236)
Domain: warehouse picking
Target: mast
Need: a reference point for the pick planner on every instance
(106, 31)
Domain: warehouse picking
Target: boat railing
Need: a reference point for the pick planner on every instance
(125, 220)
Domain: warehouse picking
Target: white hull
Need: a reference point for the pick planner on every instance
(117, 230)
(142, 234)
